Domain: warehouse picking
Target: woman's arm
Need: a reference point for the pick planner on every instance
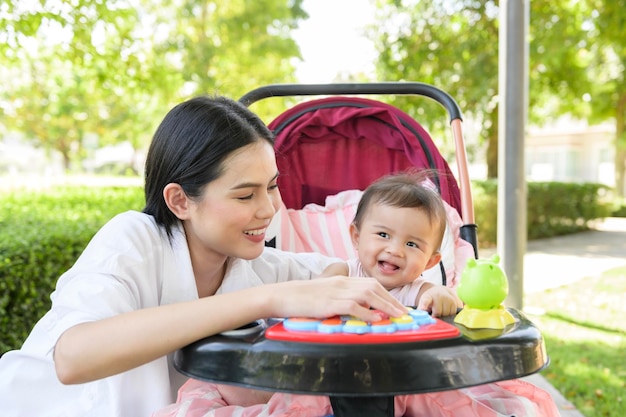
(106, 347)
(338, 268)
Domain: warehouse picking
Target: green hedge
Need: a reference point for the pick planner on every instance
(42, 234)
(619, 209)
(553, 208)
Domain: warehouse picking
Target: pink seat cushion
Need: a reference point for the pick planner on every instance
(325, 229)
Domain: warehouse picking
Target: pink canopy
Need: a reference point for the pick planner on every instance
(339, 143)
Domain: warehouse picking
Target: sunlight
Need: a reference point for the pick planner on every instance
(332, 40)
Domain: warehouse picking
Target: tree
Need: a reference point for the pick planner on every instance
(46, 99)
(231, 47)
(73, 69)
(110, 70)
(454, 44)
(608, 100)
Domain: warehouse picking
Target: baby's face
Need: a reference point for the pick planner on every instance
(395, 245)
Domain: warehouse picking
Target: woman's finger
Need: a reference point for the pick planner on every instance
(366, 294)
(326, 297)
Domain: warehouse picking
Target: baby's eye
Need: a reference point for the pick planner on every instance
(412, 244)
(384, 235)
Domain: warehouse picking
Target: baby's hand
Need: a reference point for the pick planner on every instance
(439, 301)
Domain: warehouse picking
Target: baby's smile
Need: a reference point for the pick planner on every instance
(387, 266)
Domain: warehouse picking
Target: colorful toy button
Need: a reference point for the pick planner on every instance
(351, 325)
(300, 324)
(332, 325)
(383, 326)
(356, 326)
(414, 326)
(421, 317)
(404, 322)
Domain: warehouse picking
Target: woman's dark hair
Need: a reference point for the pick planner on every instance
(405, 190)
(190, 145)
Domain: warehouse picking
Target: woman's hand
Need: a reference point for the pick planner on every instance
(337, 295)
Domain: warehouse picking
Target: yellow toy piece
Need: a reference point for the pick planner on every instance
(475, 318)
(482, 288)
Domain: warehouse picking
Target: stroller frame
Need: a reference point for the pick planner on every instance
(468, 230)
(476, 357)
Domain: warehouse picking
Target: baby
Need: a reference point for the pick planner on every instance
(397, 232)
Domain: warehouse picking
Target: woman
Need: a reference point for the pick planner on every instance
(193, 264)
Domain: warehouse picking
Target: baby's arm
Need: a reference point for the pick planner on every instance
(338, 268)
(438, 299)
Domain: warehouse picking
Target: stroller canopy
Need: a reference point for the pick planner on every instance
(339, 143)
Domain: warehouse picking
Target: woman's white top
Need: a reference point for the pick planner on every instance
(129, 265)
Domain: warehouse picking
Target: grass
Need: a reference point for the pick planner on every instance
(584, 325)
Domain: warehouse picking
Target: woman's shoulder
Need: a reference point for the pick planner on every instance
(131, 228)
(133, 217)
(130, 222)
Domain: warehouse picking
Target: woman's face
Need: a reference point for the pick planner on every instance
(235, 210)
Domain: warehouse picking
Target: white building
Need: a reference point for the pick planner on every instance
(571, 152)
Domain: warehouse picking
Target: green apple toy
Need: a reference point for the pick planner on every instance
(482, 288)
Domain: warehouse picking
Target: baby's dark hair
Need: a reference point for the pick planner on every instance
(405, 190)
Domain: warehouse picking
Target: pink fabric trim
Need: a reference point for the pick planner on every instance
(501, 399)
(463, 250)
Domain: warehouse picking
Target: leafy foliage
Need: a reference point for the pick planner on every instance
(87, 73)
(576, 60)
(453, 45)
(41, 235)
(546, 216)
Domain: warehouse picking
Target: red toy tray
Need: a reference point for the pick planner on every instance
(435, 330)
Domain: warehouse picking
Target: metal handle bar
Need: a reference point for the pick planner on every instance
(394, 88)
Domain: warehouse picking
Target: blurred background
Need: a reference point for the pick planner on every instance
(85, 82)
